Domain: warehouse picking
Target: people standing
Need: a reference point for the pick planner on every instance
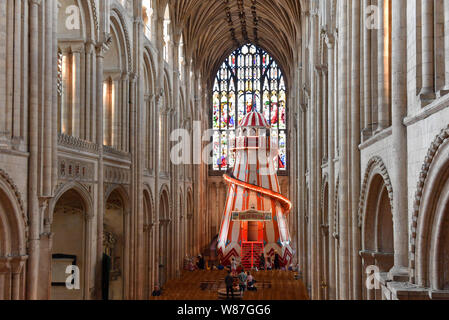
(277, 261)
(200, 263)
(234, 267)
(269, 266)
(250, 282)
(157, 291)
(262, 262)
(242, 281)
(229, 281)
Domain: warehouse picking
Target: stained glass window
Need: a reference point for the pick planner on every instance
(248, 73)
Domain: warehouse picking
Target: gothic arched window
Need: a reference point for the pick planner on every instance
(249, 78)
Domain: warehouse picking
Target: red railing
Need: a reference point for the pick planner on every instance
(251, 252)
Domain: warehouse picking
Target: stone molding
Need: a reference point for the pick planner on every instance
(7, 179)
(78, 144)
(435, 146)
(373, 163)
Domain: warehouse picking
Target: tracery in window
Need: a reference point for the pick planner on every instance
(248, 79)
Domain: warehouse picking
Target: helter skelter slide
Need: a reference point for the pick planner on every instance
(254, 219)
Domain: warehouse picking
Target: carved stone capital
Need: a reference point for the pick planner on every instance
(17, 263)
(5, 265)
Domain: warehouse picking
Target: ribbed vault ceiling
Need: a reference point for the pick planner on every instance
(212, 29)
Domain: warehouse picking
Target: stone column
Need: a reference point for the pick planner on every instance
(125, 114)
(5, 281)
(87, 125)
(33, 205)
(66, 125)
(428, 53)
(446, 44)
(343, 54)
(94, 97)
(48, 107)
(17, 264)
(3, 37)
(367, 75)
(9, 71)
(367, 260)
(115, 113)
(100, 166)
(383, 72)
(331, 155)
(399, 111)
(315, 163)
(18, 66)
(325, 113)
(76, 91)
(355, 152)
(55, 102)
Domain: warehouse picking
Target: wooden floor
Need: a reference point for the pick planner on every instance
(203, 285)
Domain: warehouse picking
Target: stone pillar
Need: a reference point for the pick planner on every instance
(5, 281)
(428, 58)
(17, 264)
(367, 33)
(383, 72)
(88, 93)
(66, 125)
(446, 44)
(33, 205)
(55, 126)
(355, 152)
(367, 260)
(399, 111)
(76, 91)
(315, 163)
(3, 37)
(331, 155)
(100, 165)
(116, 106)
(48, 107)
(9, 70)
(125, 114)
(343, 54)
(94, 97)
(18, 66)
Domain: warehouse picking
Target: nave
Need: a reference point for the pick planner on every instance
(122, 126)
(204, 285)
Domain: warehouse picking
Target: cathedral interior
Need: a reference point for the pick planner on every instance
(94, 93)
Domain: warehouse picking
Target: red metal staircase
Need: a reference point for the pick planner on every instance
(251, 252)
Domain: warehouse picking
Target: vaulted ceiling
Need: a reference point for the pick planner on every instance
(212, 29)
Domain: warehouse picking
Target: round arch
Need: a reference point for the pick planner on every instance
(165, 235)
(148, 265)
(430, 219)
(116, 243)
(13, 222)
(71, 215)
(376, 222)
(80, 189)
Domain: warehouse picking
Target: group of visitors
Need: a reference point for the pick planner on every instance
(191, 266)
(246, 282)
(157, 291)
(266, 264)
